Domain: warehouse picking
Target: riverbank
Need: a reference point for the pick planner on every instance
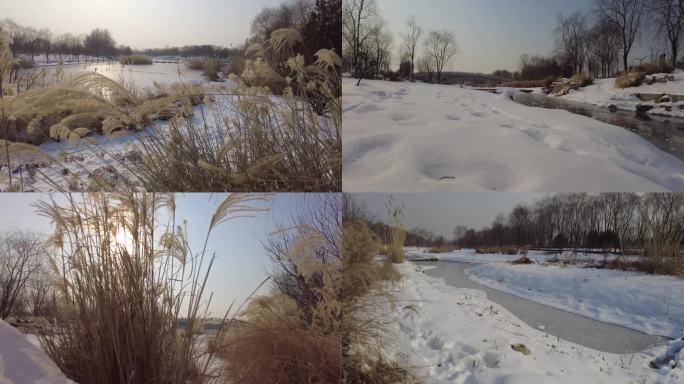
(573, 282)
(604, 94)
(457, 335)
(406, 137)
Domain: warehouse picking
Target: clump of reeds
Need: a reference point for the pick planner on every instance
(211, 69)
(136, 60)
(397, 232)
(322, 320)
(124, 282)
(252, 141)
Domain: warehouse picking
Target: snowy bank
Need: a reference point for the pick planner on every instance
(604, 94)
(21, 362)
(421, 137)
(652, 304)
(459, 336)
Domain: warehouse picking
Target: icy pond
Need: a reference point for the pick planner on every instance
(565, 325)
(665, 132)
(142, 76)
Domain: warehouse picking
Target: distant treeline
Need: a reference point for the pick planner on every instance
(574, 220)
(31, 42)
(190, 51)
(599, 42)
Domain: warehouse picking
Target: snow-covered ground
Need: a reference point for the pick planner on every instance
(648, 303)
(603, 93)
(459, 336)
(21, 362)
(652, 304)
(421, 137)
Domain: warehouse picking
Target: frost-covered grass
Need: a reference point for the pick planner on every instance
(421, 137)
(459, 336)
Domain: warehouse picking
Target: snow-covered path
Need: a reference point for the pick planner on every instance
(420, 137)
(459, 336)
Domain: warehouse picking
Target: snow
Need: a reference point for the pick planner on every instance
(21, 362)
(84, 159)
(603, 93)
(648, 303)
(459, 336)
(410, 137)
(652, 304)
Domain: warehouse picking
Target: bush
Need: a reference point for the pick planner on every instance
(195, 64)
(631, 79)
(319, 323)
(136, 60)
(211, 69)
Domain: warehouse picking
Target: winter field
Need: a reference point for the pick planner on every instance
(421, 137)
(457, 335)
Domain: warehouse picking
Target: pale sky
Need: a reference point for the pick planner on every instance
(440, 212)
(492, 34)
(241, 263)
(143, 23)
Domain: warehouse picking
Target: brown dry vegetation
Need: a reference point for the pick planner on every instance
(136, 60)
(543, 83)
(446, 248)
(506, 250)
(320, 323)
(582, 79)
(120, 301)
(265, 143)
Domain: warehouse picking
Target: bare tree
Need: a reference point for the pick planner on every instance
(571, 35)
(442, 47)
(360, 20)
(603, 48)
(626, 15)
(21, 255)
(668, 18)
(411, 39)
(426, 65)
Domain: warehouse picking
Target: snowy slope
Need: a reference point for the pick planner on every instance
(21, 362)
(422, 137)
(458, 336)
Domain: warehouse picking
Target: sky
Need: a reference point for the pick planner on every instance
(143, 23)
(440, 212)
(491, 34)
(241, 263)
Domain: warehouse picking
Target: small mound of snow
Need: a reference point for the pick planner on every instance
(23, 363)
